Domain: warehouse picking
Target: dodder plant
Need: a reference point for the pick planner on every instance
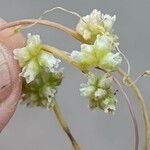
(99, 49)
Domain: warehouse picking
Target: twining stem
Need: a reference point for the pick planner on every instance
(64, 126)
(25, 22)
(132, 114)
(143, 107)
(64, 56)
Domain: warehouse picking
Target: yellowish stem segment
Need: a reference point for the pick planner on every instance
(143, 108)
(64, 56)
(64, 126)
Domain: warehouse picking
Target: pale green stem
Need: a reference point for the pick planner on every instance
(64, 56)
(64, 126)
(143, 108)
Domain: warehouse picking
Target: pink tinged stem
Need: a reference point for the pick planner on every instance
(26, 22)
(133, 117)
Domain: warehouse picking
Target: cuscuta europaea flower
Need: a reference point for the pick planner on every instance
(41, 78)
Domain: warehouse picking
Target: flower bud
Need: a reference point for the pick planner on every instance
(95, 24)
(98, 55)
(100, 93)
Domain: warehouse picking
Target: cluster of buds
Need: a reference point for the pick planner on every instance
(97, 30)
(41, 78)
(41, 92)
(96, 23)
(100, 93)
(98, 55)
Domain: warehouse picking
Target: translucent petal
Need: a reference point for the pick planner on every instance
(100, 93)
(102, 43)
(112, 60)
(30, 71)
(87, 91)
(109, 21)
(49, 92)
(76, 55)
(33, 40)
(21, 54)
(86, 48)
(48, 60)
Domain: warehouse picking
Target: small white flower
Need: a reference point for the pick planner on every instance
(109, 104)
(76, 55)
(105, 82)
(48, 60)
(49, 92)
(102, 43)
(100, 93)
(87, 90)
(86, 48)
(98, 55)
(92, 79)
(32, 58)
(111, 61)
(30, 71)
(95, 23)
(108, 21)
(33, 43)
(22, 55)
(109, 109)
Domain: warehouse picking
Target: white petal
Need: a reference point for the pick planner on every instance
(102, 42)
(21, 54)
(92, 79)
(112, 59)
(110, 109)
(109, 21)
(49, 92)
(105, 82)
(86, 48)
(48, 60)
(30, 71)
(86, 34)
(87, 91)
(76, 55)
(33, 40)
(100, 93)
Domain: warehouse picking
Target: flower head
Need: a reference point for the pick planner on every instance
(41, 92)
(98, 55)
(33, 59)
(100, 93)
(96, 23)
(40, 74)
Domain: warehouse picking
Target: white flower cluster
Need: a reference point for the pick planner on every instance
(39, 71)
(33, 59)
(41, 92)
(99, 92)
(96, 23)
(98, 55)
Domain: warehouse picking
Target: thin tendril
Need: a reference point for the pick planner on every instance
(131, 113)
(146, 73)
(50, 10)
(127, 61)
